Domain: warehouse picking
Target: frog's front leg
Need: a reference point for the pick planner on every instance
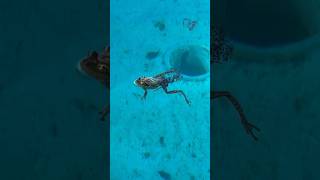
(246, 124)
(145, 94)
(104, 112)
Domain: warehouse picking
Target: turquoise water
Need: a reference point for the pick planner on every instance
(277, 81)
(281, 99)
(49, 123)
(162, 136)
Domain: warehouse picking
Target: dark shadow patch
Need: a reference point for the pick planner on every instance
(164, 175)
(161, 141)
(270, 26)
(299, 104)
(152, 54)
(190, 60)
(54, 130)
(160, 25)
(83, 106)
(146, 155)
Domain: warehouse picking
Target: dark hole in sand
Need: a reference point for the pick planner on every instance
(261, 23)
(191, 60)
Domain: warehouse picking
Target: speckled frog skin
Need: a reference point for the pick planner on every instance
(221, 51)
(98, 66)
(160, 81)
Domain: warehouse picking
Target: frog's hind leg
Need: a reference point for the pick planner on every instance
(176, 91)
(247, 125)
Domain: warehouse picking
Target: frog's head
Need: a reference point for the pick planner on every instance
(95, 66)
(140, 82)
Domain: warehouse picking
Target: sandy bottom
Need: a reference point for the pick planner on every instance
(161, 136)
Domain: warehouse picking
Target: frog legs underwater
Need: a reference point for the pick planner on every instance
(160, 81)
(172, 79)
(246, 124)
(221, 51)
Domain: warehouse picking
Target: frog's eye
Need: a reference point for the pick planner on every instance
(101, 67)
(136, 82)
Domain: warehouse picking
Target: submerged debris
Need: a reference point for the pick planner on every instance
(164, 175)
(161, 140)
(188, 23)
(160, 25)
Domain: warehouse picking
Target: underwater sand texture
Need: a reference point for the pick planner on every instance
(160, 137)
(49, 122)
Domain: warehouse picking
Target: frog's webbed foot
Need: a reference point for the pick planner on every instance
(104, 112)
(250, 128)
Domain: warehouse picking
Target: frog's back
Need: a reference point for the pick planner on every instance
(153, 83)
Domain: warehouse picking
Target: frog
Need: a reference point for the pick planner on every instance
(161, 80)
(221, 52)
(98, 66)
